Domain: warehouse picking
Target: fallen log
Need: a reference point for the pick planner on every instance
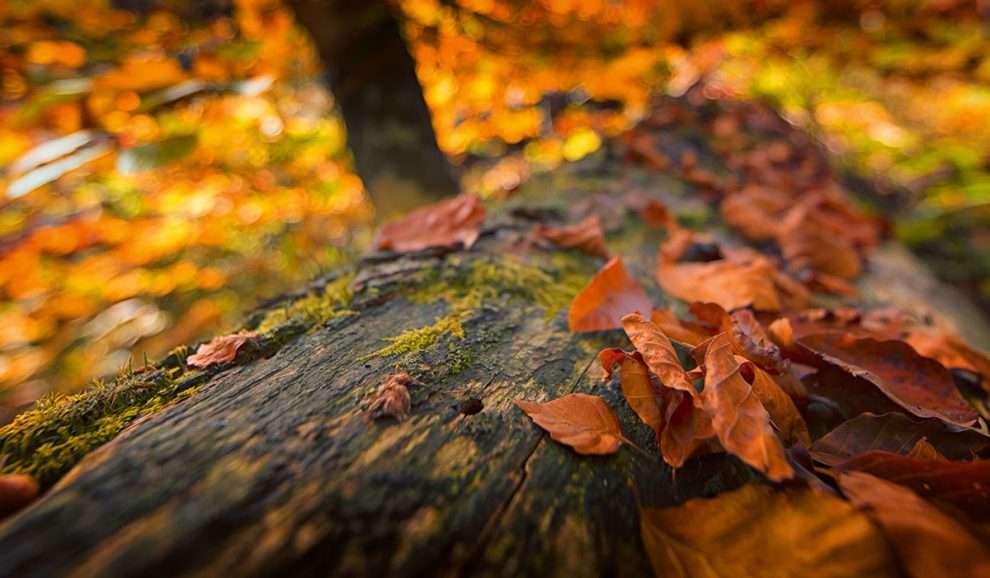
(270, 466)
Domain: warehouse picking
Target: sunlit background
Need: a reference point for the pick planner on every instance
(163, 171)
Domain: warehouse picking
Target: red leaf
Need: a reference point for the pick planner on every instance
(894, 433)
(918, 384)
(610, 294)
(965, 485)
(445, 224)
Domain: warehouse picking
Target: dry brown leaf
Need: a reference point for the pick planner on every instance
(755, 211)
(658, 352)
(656, 215)
(808, 245)
(741, 278)
(610, 294)
(918, 384)
(753, 532)
(645, 395)
(16, 491)
(586, 236)
(925, 451)
(392, 398)
(681, 427)
(785, 415)
(927, 541)
(584, 422)
(683, 332)
(739, 419)
(963, 485)
(448, 223)
(747, 336)
(220, 349)
(894, 433)
(951, 351)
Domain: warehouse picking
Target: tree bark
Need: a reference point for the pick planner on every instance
(271, 468)
(374, 82)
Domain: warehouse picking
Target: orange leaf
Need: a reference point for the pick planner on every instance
(586, 236)
(610, 294)
(925, 451)
(747, 336)
(739, 419)
(445, 224)
(584, 422)
(755, 211)
(756, 532)
(683, 332)
(16, 491)
(644, 394)
(918, 384)
(658, 352)
(745, 279)
(680, 427)
(927, 541)
(806, 244)
(785, 415)
(220, 349)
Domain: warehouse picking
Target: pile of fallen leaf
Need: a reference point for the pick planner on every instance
(871, 454)
(892, 477)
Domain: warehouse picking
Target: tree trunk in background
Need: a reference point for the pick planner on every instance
(270, 468)
(373, 79)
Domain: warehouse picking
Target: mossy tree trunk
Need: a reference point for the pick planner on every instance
(267, 466)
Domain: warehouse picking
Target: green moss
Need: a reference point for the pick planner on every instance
(485, 282)
(420, 339)
(330, 303)
(47, 441)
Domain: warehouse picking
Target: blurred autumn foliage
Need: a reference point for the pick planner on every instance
(164, 169)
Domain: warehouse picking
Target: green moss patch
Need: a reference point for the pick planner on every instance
(48, 440)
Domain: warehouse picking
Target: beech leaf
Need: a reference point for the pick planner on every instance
(657, 351)
(965, 485)
(584, 422)
(785, 415)
(220, 349)
(895, 433)
(927, 541)
(586, 236)
(740, 421)
(918, 384)
(610, 294)
(449, 223)
(754, 532)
